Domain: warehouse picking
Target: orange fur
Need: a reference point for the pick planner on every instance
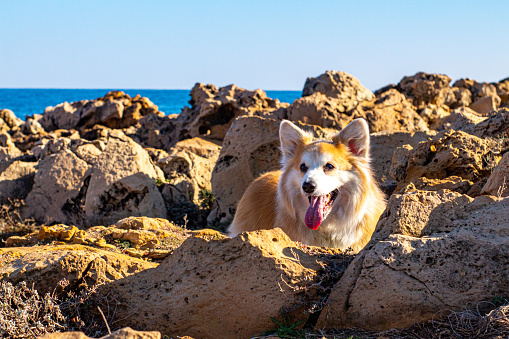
(276, 199)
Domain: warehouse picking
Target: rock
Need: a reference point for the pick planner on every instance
(433, 115)
(45, 266)
(122, 183)
(424, 88)
(90, 183)
(4, 127)
(59, 179)
(31, 126)
(9, 118)
(158, 132)
(399, 162)
(486, 105)
(124, 333)
(432, 252)
(185, 167)
(457, 97)
(451, 153)
(16, 180)
(338, 85)
(458, 119)
(6, 140)
(247, 280)
(8, 153)
(212, 116)
(498, 180)
(62, 116)
(250, 148)
(495, 126)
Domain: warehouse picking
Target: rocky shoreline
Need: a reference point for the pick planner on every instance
(124, 203)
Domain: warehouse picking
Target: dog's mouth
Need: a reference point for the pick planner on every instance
(319, 208)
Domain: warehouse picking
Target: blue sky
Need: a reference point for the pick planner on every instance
(273, 45)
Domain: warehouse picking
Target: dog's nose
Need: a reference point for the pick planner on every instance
(309, 187)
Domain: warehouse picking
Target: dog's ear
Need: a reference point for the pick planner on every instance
(290, 136)
(356, 136)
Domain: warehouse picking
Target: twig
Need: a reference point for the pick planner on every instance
(104, 318)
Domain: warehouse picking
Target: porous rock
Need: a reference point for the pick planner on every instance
(425, 88)
(123, 333)
(46, 266)
(9, 118)
(16, 179)
(432, 252)
(498, 181)
(226, 288)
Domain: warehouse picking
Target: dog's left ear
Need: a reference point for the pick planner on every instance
(356, 136)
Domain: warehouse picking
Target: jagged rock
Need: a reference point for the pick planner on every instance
(484, 96)
(451, 153)
(424, 88)
(399, 162)
(190, 166)
(9, 118)
(6, 140)
(63, 116)
(122, 183)
(486, 104)
(124, 333)
(498, 181)
(213, 115)
(45, 266)
(495, 126)
(158, 132)
(16, 179)
(9, 152)
(250, 148)
(433, 115)
(458, 97)
(432, 252)
(227, 288)
(90, 183)
(3, 126)
(458, 119)
(31, 126)
(338, 85)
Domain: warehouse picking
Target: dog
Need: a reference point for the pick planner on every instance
(324, 195)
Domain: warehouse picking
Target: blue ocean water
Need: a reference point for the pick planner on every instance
(29, 101)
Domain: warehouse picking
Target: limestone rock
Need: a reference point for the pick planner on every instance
(45, 266)
(250, 148)
(494, 126)
(213, 115)
(158, 132)
(498, 181)
(31, 126)
(124, 333)
(9, 153)
(226, 288)
(486, 105)
(424, 88)
(458, 97)
(63, 116)
(16, 180)
(432, 252)
(338, 85)
(122, 183)
(458, 119)
(6, 140)
(451, 153)
(9, 118)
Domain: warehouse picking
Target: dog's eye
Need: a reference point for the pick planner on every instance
(328, 166)
(303, 168)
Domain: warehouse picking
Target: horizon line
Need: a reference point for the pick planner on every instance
(145, 89)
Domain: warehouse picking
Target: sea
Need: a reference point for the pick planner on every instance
(28, 101)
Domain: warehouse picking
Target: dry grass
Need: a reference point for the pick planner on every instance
(11, 222)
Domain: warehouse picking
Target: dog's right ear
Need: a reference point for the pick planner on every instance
(291, 137)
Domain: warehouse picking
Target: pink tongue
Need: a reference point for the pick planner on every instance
(315, 212)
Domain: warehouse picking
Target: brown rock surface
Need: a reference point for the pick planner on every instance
(45, 266)
(432, 252)
(424, 88)
(9, 118)
(498, 181)
(16, 179)
(124, 333)
(226, 288)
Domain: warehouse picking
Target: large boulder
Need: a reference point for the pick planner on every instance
(229, 288)
(88, 183)
(45, 266)
(16, 179)
(498, 181)
(10, 118)
(432, 252)
(425, 88)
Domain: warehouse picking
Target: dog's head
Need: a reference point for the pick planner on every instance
(324, 168)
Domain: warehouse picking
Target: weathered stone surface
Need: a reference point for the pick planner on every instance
(338, 85)
(432, 252)
(31, 126)
(9, 153)
(458, 119)
(250, 148)
(226, 288)
(9, 118)
(122, 183)
(16, 179)
(425, 88)
(498, 181)
(124, 333)
(59, 179)
(495, 126)
(45, 266)
(213, 111)
(62, 116)
(451, 153)
(158, 132)
(486, 104)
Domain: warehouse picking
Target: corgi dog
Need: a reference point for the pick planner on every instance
(324, 195)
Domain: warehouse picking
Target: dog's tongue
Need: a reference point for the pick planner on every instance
(315, 212)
